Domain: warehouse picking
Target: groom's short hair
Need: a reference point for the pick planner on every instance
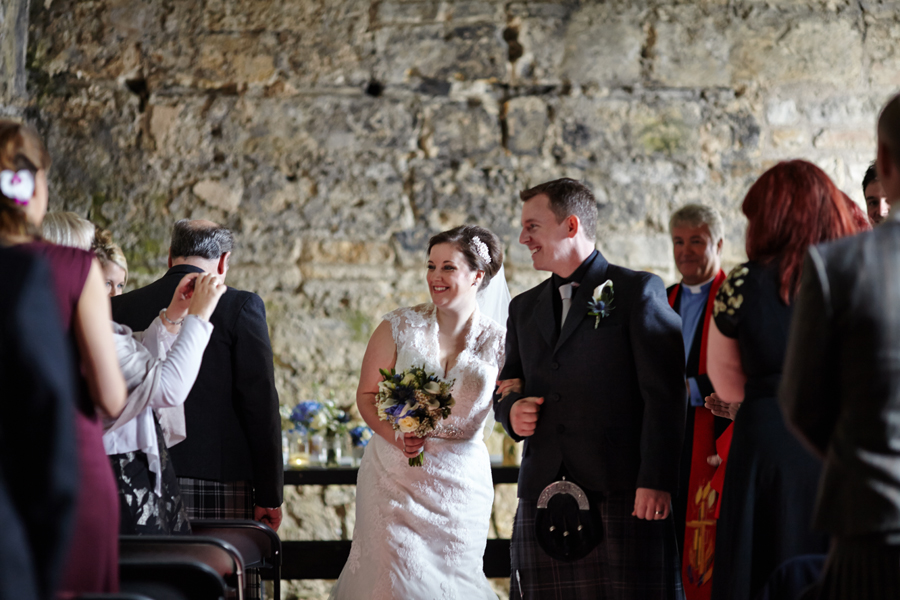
(568, 197)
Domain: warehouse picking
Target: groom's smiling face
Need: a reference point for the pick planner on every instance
(547, 238)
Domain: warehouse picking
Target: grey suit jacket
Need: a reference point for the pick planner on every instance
(614, 408)
(841, 384)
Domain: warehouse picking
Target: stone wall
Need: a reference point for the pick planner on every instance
(335, 136)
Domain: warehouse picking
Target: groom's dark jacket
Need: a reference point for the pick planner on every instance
(614, 396)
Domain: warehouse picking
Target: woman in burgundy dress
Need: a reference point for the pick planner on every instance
(92, 563)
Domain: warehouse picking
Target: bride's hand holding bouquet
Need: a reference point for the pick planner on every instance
(413, 401)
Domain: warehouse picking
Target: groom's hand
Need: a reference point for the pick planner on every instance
(652, 505)
(523, 415)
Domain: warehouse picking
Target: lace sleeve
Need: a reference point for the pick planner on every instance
(408, 326)
(493, 344)
(394, 318)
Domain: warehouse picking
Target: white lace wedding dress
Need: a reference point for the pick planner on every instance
(421, 531)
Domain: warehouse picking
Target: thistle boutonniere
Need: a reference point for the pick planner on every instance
(602, 302)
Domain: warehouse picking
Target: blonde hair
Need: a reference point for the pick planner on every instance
(107, 251)
(68, 229)
(21, 148)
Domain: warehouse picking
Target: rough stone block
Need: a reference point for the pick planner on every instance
(846, 139)
(609, 127)
(441, 52)
(808, 50)
(526, 124)
(882, 54)
(690, 47)
(603, 46)
(459, 131)
(219, 194)
(781, 112)
(790, 139)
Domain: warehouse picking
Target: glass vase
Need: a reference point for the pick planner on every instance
(298, 449)
(333, 450)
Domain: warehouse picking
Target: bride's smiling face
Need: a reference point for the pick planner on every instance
(451, 281)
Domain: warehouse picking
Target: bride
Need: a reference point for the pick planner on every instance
(421, 531)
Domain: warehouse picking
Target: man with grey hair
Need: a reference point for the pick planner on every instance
(697, 237)
(230, 466)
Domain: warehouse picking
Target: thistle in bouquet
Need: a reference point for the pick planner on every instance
(413, 401)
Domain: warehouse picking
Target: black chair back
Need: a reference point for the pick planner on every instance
(259, 545)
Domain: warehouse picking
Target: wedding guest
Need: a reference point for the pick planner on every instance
(92, 562)
(159, 370)
(67, 229)
(841, 391)
(877, 204)
(601, 405)
(771, 480)
(230, 465)
(860, 218)
(37, 495)
(160, 365)
(697, 237)
(112, 262)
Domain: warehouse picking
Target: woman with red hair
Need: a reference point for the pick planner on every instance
(771, 480)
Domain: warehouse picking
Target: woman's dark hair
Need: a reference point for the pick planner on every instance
(792, 206)
(21, 149)
(473, 241)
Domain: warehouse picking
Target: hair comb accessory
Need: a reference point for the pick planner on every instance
(481, 249)
(17, 185)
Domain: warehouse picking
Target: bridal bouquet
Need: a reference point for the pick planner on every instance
(413, 401)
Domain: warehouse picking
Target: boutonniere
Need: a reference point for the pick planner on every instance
(602, 301)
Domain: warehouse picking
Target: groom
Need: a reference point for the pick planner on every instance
(602, 404)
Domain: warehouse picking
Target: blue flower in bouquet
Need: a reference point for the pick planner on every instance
(360, 436)
(398, 411)
(304, 413)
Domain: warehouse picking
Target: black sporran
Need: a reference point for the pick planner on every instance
(566, 526)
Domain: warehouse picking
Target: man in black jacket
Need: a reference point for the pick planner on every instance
(841, 390)
(602, 404)
(230, 465)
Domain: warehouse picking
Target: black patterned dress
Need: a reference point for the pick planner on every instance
(771, 479)
(142, 511)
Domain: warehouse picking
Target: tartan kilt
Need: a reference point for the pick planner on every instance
(636, 559)
(205, 499)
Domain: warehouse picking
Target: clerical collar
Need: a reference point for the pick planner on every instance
(579, 273)
(698, 289)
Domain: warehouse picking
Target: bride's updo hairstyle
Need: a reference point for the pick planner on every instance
(478, 245)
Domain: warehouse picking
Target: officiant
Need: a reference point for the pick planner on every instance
(697, 238)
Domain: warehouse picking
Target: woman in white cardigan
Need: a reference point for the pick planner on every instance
(160, 366)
